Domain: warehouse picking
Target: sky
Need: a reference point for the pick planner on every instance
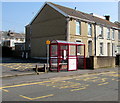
(16, 15)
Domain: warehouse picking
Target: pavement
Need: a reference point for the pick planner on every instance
(12, 67)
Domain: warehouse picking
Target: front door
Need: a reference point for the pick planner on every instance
(108, 49)
(89, 48)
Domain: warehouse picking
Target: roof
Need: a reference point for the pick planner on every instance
(13, 35)
(72, 13)
(66, 42)
(79, 14)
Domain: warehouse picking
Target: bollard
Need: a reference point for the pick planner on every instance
(36, 70)
(45, 68)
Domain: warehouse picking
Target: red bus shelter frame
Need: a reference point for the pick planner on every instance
(59, 57)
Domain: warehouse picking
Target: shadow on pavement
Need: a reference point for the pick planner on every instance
(20, 60)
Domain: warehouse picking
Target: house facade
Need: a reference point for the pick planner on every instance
(55, 22)
(9, 39)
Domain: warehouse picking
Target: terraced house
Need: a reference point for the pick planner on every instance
(55, 22)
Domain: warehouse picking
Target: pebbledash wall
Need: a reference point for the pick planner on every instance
(49, 24)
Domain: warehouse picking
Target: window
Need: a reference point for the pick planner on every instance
(113, 49)
(101, 31)
(101, 48)
(79, 49)
(90, 29)
(78, 28)
(16, 39)
(108, 33)
(119, 35)
(113, 34)
(13, 44)
(90, 48)
(78, 40)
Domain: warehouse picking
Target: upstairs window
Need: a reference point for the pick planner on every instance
(113, 34)
(118, 35)
(78, 28)
(90, 29)
(108, 33)
(101, 31)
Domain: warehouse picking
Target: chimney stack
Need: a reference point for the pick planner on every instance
(107, 17)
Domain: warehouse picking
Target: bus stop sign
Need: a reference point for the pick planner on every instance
(47, 42)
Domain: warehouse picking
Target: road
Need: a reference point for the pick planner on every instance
(87, 87)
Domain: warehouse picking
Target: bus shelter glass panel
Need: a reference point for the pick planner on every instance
(53, 57)
(72, 50)
(63, 60)
(72, 62)
(54, 52)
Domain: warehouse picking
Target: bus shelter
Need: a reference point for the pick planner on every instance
(64, 55)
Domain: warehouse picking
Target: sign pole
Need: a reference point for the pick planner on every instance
(47, 42)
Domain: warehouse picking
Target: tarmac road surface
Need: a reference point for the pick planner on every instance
(87, 87)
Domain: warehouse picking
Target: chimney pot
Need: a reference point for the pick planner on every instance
(75, 8)
(107, 17)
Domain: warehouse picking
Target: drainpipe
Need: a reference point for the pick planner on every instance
(95, 37)
(68, 29)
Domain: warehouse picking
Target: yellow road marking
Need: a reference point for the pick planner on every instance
(58, 84)
(5, 90)
(77, 84)
(88, 78)
(103, 83)
(25, 97)
(78, 89)
(36, 97)
(103, 80)
(19, 85)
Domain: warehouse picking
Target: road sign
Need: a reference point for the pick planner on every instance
(48, 42)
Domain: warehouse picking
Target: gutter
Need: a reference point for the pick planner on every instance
(68, 29)
(95, 37)
(93, 22)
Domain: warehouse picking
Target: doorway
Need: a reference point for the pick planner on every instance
(89, 48)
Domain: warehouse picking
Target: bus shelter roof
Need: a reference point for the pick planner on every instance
(66, 42)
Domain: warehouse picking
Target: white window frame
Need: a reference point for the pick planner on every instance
(79, 40)
(89, 29)
(113, 34)
(78, 28)
(108, 33)
(101, 31)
